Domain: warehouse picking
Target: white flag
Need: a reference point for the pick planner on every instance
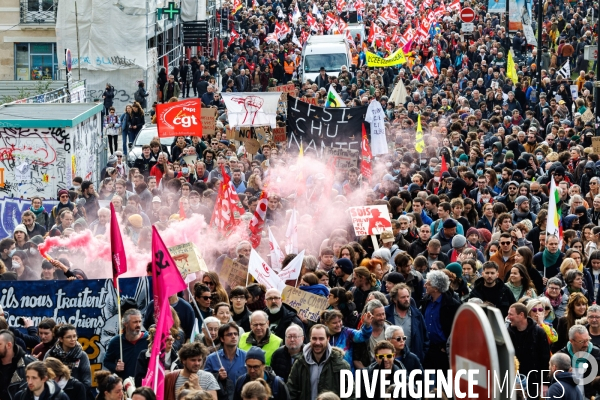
(565, 70)
(195, 331)
(251, 108)
(258, 268)
(291, 234)
(277, 255)
(292, 270)
(399, 94)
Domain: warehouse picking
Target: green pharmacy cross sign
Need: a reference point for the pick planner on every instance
(172, 11)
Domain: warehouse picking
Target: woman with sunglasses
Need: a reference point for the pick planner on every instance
(395, 335)
(536, 311)
(218, 293)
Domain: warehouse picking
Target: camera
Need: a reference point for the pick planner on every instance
(21, 321)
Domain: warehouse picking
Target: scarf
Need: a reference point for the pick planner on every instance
(37, 212)
(582, 360)
(554, 302)
(69, 358)
(549, 259)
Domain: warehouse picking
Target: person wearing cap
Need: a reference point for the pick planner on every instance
(387, 242)
(192, 357)
(490, 288)
(257, 368)
(64, 202)
(134, 227)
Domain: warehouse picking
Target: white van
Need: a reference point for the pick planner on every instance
(329, 51)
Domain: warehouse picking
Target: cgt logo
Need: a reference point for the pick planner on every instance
(266, 269)
(182, 118)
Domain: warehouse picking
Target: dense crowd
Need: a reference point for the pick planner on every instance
(469, 214)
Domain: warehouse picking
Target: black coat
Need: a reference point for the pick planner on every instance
(51, 392)
(242, 320)
(281, 362)
(410, 361)
(286, 316)
(499, 295)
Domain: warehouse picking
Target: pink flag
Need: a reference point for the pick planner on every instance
(166, 281)
(119, 262)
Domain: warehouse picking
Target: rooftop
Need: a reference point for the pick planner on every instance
(46, 115)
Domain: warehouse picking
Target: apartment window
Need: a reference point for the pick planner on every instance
(35, 61)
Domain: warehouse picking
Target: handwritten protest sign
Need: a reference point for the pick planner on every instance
(233, 273)
(370, 220)
(188, 259)
(596, 144)
(307, 305)
(209, 123)
(587, 116)
(341, 159)
(279, 134)
(289, 88)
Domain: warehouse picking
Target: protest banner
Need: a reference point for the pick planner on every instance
(233, 273)
(596, 144)
(306, 304)
(89, 305)
(289, 88)
(179, 119)
(373, 60)
(279, 134)
(188, 259)
(319, 127)
(341, 159)
(370, 220)
(209, 122)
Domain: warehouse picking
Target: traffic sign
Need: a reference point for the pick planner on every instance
(472, 325)
(467, 15)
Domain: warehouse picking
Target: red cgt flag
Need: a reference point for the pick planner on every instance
(228, 208)
(179, 119)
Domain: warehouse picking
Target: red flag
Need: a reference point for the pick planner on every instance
(455, 6)
(431, 69)
(166, 281)
(119, 261)
(365, 156)
(258, 220)
(228, 208)
(443, 168)
(340, 5)
(409, 7)
(234, 35)
(329, 20)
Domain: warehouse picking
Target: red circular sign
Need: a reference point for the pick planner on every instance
(467, 15)
(472, 326)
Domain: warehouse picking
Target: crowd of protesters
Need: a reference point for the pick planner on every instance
(474, 232)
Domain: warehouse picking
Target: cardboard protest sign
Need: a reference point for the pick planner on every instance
(188, 259)
(370, 220)
(289, 88)
(307, 305)
(341, 159)
(587, 116)
(596, 144)
(190, 161)
(209, 122)
(233, 273)
(179, 119)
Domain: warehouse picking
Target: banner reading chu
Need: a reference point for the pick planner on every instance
(89, 305)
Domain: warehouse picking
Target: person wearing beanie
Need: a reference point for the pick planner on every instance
(521, 212)
(510, 194)
(20, 237)
(392, 279)
(257, 368)
(446, 234)
(474, 237)
(463, 159)
(455, 268)
(342, 274)
(64, 202)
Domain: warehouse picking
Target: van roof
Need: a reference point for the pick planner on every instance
(327, 39)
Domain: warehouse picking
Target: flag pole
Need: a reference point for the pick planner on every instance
(120, 321)
(202, 318)
(156, 372)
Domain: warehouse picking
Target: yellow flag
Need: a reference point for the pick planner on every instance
(511, 71)
(419, 142)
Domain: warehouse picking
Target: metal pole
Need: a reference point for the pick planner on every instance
(538, 60)
(78, 52)
(597, 94)
(507, 17)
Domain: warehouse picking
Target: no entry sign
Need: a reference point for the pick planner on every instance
(467, 15)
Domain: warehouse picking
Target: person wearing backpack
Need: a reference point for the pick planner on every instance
(257, 368)
(140, 95)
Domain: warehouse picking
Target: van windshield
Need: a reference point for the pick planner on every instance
(331, 62)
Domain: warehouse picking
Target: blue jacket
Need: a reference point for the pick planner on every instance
(424, 217)
(564, 387)
(410, 360)
(419, 338)
(347, 337)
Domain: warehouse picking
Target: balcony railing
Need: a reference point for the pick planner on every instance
(38, 11)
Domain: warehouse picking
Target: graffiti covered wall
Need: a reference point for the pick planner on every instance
(33, 161)
(87, 145)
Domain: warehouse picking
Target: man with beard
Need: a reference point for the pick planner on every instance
(13, 359)
(260, 335)
(284, 357)
(317, 369)
(521, 211)
(227, 364)
(403, 312)
(420, 245)
(387, 364)
(492, 290)
(280, 315)
(255, 365)
(191, 357)
(133, 340)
